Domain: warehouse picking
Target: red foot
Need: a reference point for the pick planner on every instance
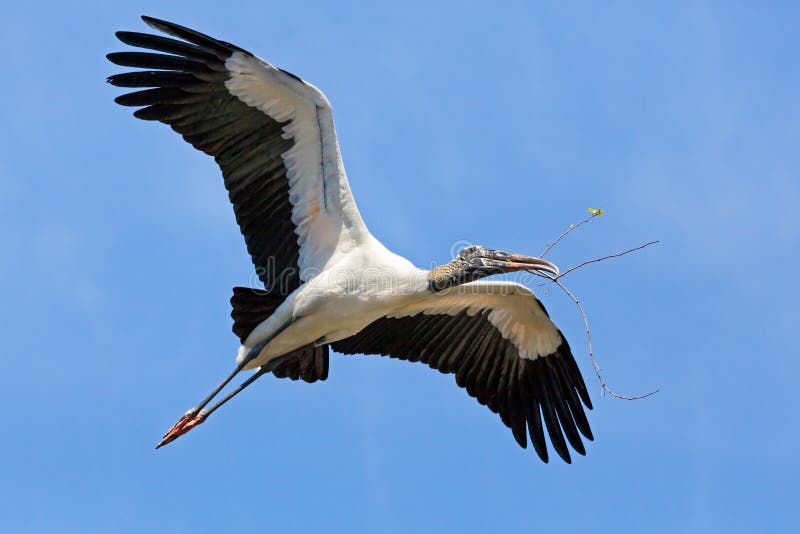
(184, 424)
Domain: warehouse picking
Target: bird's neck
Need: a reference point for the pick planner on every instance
(451, 274)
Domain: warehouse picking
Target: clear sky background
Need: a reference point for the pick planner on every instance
(497, 123)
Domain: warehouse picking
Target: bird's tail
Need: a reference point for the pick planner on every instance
(250, 308)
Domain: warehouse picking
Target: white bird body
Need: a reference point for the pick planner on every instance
(355, 288)
(328, 281)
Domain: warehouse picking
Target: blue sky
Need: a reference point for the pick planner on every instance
(457, 121)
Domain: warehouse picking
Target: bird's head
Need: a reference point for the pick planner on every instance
(476, 262)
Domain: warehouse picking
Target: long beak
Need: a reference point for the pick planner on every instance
(518, 262)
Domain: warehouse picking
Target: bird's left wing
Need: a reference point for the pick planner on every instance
(498, 340)
(271, 133)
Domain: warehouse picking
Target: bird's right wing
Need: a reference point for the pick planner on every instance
(499, 342)
(271, 133)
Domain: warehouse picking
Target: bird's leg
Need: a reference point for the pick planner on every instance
(193, 417)
(264, 369)
(188, 422)
(197, 415)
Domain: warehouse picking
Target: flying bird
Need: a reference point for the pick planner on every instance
(328, 283)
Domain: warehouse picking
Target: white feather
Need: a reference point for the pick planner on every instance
(323, 210)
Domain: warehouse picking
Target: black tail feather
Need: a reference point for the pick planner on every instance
(310, 364)
(250, 308)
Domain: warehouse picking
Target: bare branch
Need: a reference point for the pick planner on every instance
(568, 230)
(589, 340)
(556, 280)
(617, 255)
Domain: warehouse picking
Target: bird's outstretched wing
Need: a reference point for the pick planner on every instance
(499, 342)
(271, 133)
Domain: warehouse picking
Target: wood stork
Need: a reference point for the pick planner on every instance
(328, 283)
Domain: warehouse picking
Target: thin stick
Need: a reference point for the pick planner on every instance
(589, 340)
(555, 280)
(568, 230)
(617, 255)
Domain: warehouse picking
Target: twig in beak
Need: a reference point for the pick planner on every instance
(556, 280)
(568, 230)
(617, 255)
(595, 365)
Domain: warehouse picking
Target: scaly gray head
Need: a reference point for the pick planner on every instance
(476, 262)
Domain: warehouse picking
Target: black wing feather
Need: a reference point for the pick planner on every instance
(200, 39)
(171, 46)
(529, 395)
(184, 86)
